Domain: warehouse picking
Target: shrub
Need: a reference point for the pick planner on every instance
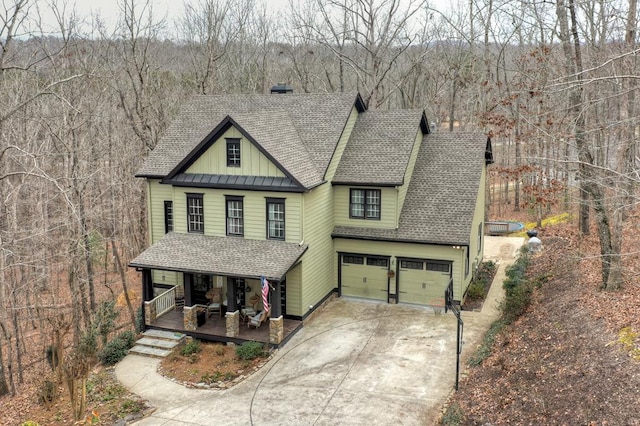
(192, 347)
(518, 289)
(139, 320)
(117, 348)
(476, 290)
(250, 350)
(47, 392)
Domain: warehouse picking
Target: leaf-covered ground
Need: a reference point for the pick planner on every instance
(562, 362)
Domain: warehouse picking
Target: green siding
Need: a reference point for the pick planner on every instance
(395, 250)
(476, 246)
(402, 193)
(318, 261)
(252, 161)
(254, 205)
(157, 195)
(294, 291)
(342, 143)
(389, 211)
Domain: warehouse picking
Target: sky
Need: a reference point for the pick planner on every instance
(109, 10)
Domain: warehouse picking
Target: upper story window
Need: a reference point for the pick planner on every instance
(275, 218)
(233, 152)
(235, 216)
(168, 216)
(364, 204)
(195, 213)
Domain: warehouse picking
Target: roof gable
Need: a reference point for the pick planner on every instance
(380, 147)
(316, 119)
(280, 145)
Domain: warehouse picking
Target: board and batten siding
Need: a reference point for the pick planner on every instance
(254, 212)
(405, 250)
(252, 161)
(402, 192)
(389, 211)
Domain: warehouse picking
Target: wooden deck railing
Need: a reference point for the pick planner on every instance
(165, 302)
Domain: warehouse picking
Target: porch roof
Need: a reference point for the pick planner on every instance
(227, 256)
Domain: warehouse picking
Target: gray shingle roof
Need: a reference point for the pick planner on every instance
(227, 256)
(284, 123)
(379, 148)
(442, 194)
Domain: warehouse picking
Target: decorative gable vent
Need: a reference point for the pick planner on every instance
(281, 88)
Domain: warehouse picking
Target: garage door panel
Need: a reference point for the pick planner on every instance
(366, 280)
(421, 286)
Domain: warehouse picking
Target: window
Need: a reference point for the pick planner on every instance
(411, 264)
(275, 219)
(377, 261)
(438, 267)
(168, 216)
(364, 204)
(235, 216)
(356, 260)
(195, 213)
(233, 152)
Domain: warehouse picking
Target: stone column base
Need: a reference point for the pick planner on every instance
(276, 330)
(233, 323)
(190, 318)
(149, 313)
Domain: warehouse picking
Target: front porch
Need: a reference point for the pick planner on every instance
(215, 329)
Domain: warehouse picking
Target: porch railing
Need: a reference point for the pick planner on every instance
(165, 302)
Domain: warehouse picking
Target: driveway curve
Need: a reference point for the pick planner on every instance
(355, 362)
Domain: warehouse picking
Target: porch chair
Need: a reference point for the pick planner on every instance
(257, 320)
(214, 295)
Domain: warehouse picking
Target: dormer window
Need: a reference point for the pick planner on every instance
(233, 152)
(364, 204)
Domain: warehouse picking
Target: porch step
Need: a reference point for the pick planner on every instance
(149, 351)
(157, 343)
(165, 335)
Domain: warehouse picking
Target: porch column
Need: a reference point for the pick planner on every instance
(188, 289)
(147, 285)
(276, 302)
(148, 308)
(232, 304)
(276, 322)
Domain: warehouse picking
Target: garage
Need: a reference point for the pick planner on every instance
(423, 281)
(364, 276)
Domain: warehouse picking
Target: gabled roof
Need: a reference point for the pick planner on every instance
(442, 194)
(299, 131)
(227, 256)
(379, 148)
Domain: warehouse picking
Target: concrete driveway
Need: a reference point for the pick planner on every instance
(355, 362)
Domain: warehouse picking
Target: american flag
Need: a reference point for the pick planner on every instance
(265, 293)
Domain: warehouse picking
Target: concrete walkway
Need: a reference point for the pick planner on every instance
(355, 362)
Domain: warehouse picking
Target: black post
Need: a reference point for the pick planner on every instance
(449, 304)
(276, 306)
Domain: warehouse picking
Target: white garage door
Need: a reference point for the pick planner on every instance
(423, 281)
(364, 276)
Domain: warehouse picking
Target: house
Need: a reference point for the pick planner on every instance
(305, 196)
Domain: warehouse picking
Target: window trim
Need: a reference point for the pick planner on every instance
(168, 216)
(228, 199)
(233, 160)
(365, 205)
(194, 196)
(276, 201)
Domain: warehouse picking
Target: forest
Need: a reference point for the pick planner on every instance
(83, 102)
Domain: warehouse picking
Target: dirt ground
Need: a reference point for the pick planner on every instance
(561, 363)
(216, 366)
